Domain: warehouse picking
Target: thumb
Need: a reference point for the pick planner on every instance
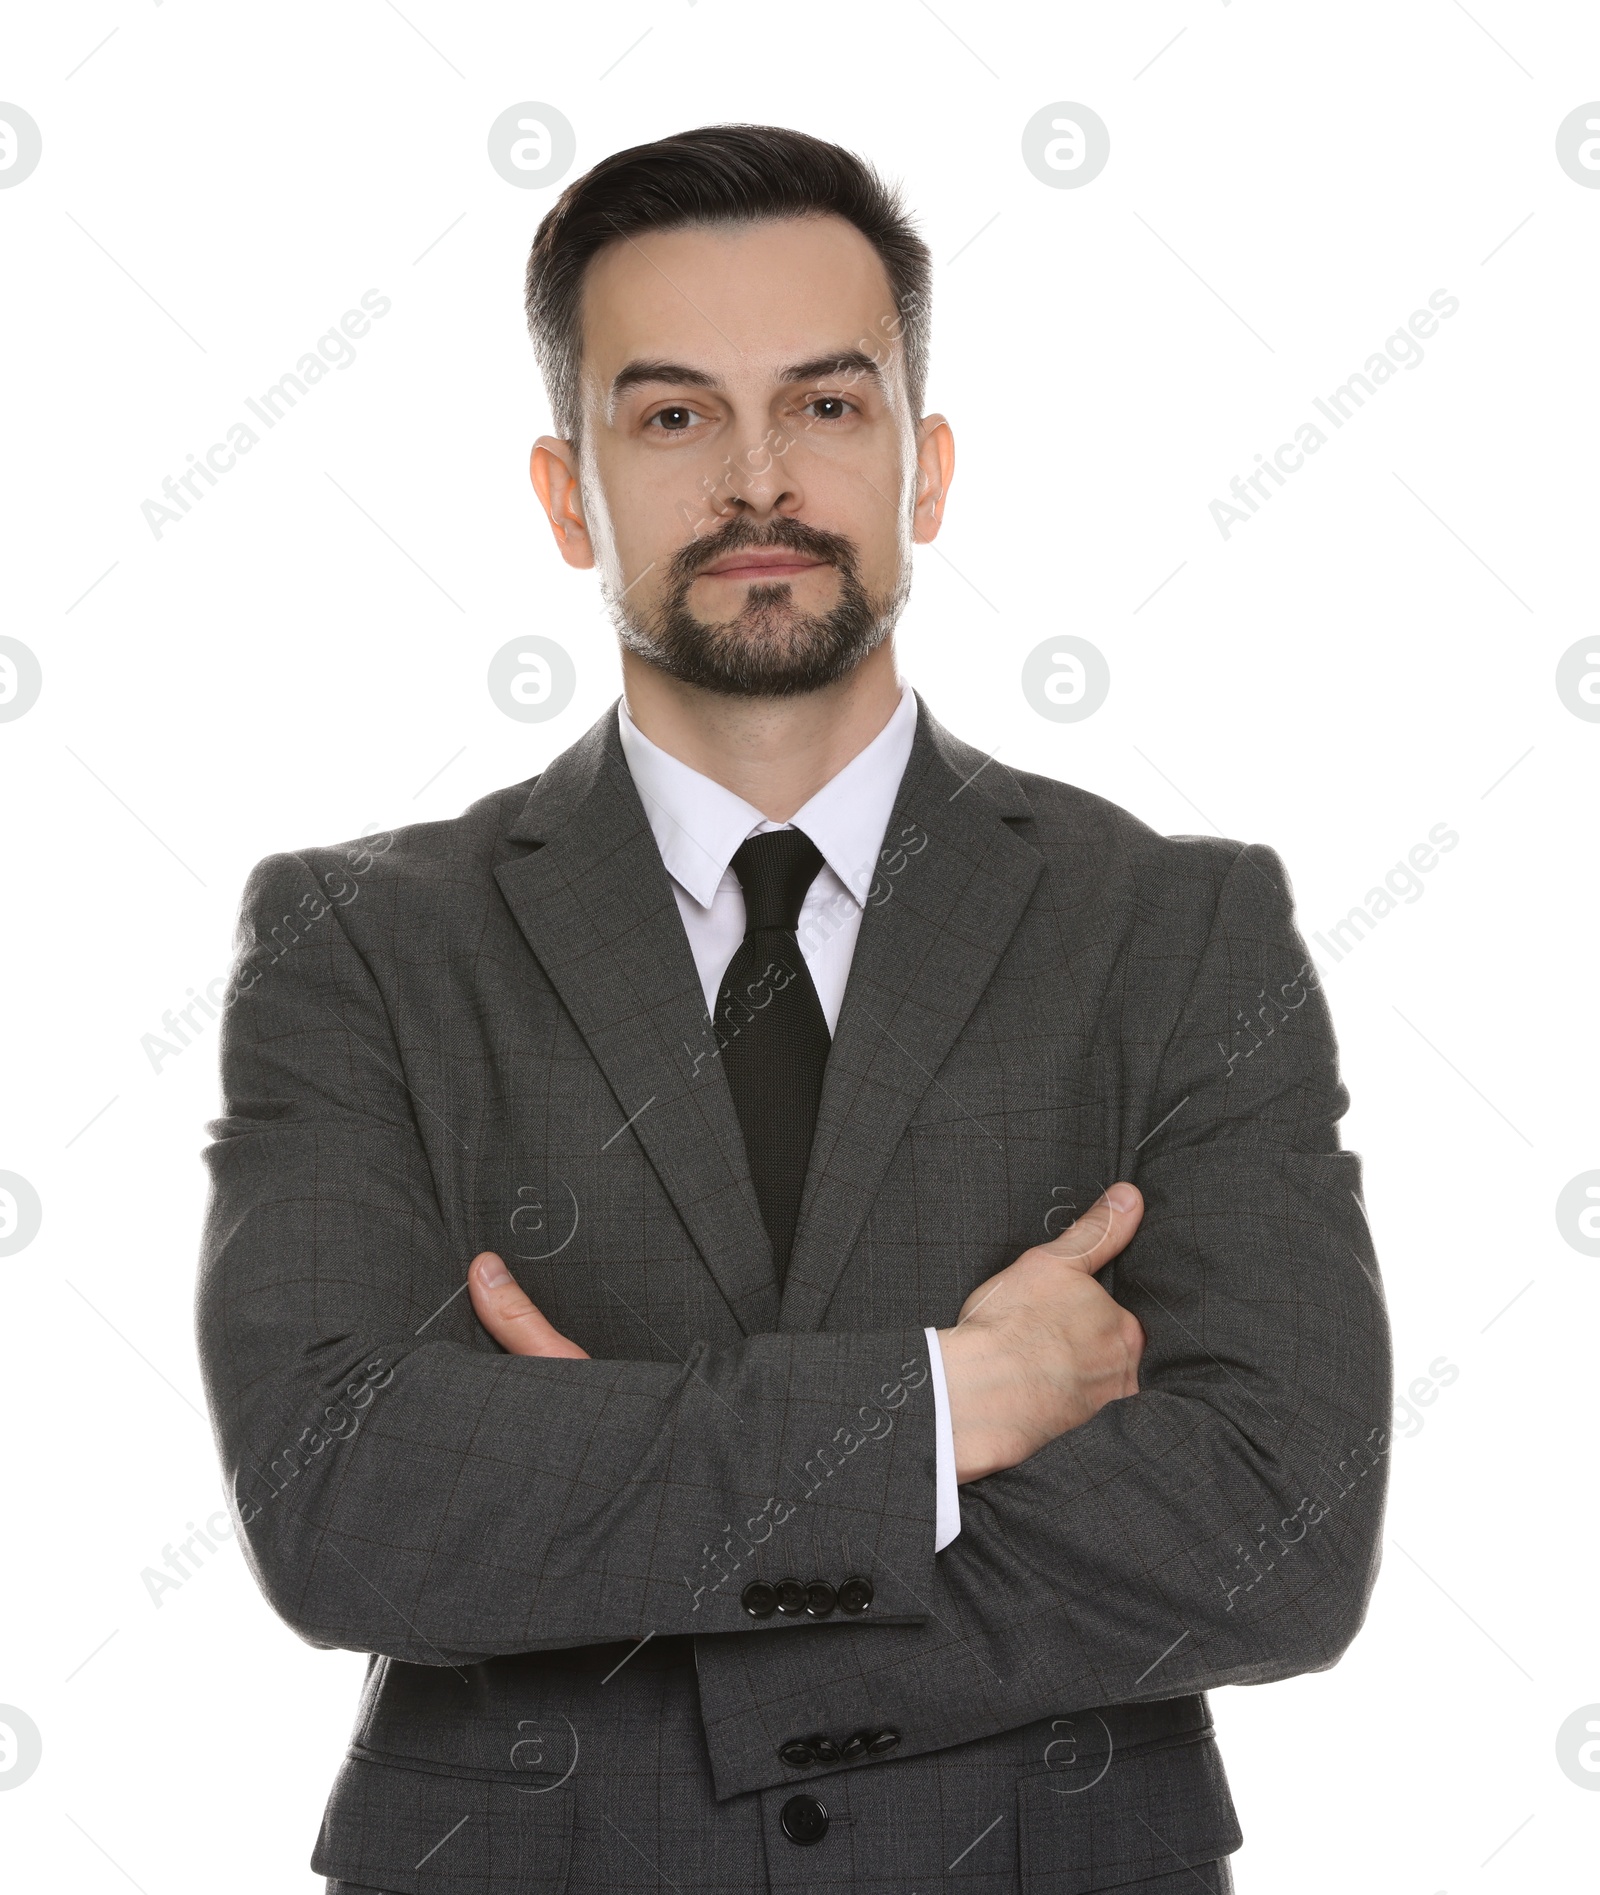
(509, 1313)
(1102, 1231)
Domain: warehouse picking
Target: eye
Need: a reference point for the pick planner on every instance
(837, 403)
(676, 419)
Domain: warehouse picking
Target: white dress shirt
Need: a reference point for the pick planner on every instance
(698, 825)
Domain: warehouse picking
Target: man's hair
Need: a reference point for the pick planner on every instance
(719, 174)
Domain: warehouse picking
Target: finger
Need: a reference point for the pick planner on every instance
(1102, 1231)
(1134, 1340)
(510, 1314)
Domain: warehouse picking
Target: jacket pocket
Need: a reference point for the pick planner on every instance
(1097, 1824)
(426, 1832)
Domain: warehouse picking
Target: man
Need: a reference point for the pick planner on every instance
(797, 1289)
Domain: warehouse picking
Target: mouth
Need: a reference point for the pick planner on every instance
(777, 564)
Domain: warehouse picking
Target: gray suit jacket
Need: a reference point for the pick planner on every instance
(488, 1033)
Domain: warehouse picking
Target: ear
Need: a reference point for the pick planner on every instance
(936, 468)
(552, 467)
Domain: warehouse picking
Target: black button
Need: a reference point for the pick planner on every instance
(820, 1599)
(855, 1745)
(855, 1595)
(798, 1753)
(881, 1741)
(791, 1596)
(804, 1820)
(824, 1749)
(759, 1599)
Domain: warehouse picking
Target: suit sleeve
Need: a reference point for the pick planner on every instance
(1222, 1526)
(401, 1485)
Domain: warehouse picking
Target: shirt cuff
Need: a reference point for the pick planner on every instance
(947, 1505)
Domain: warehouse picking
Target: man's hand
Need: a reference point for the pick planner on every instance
(512, 1317)
(1040, 1348)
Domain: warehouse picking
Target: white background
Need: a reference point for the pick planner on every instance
(1371, 655)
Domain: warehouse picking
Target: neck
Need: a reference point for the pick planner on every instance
(776, 753)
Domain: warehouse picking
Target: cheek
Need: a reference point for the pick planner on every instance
(680, 504)
(882, 535)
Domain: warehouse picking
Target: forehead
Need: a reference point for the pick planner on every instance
(735, 299)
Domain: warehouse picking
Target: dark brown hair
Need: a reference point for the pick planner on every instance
(719, 174)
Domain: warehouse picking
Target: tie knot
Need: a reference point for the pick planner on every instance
(775, 869)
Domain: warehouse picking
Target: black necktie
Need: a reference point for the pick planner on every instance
(772, 1030)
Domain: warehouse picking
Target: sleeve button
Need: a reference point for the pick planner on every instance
(882, 1741)
(797, 1753)
(759, 1599)
(855, 1595)
(791, 1597)
(820, 1599)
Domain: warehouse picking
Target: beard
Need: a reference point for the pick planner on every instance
(769, 648)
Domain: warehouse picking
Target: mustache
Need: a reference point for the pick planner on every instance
(740, 536)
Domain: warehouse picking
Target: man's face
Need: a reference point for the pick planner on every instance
(749, 465)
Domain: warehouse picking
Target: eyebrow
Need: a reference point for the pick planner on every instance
(635, 374)
(853, 362)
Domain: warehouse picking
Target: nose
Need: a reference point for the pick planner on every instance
(760, 481)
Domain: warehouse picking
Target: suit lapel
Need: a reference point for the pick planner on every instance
(928, 946)
(595, 905)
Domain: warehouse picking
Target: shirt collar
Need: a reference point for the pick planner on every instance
(698, 824)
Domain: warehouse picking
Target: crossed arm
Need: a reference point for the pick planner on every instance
(1036, 1350)
(405, 1488)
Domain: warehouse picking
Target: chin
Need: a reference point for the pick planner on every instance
(769, 648)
